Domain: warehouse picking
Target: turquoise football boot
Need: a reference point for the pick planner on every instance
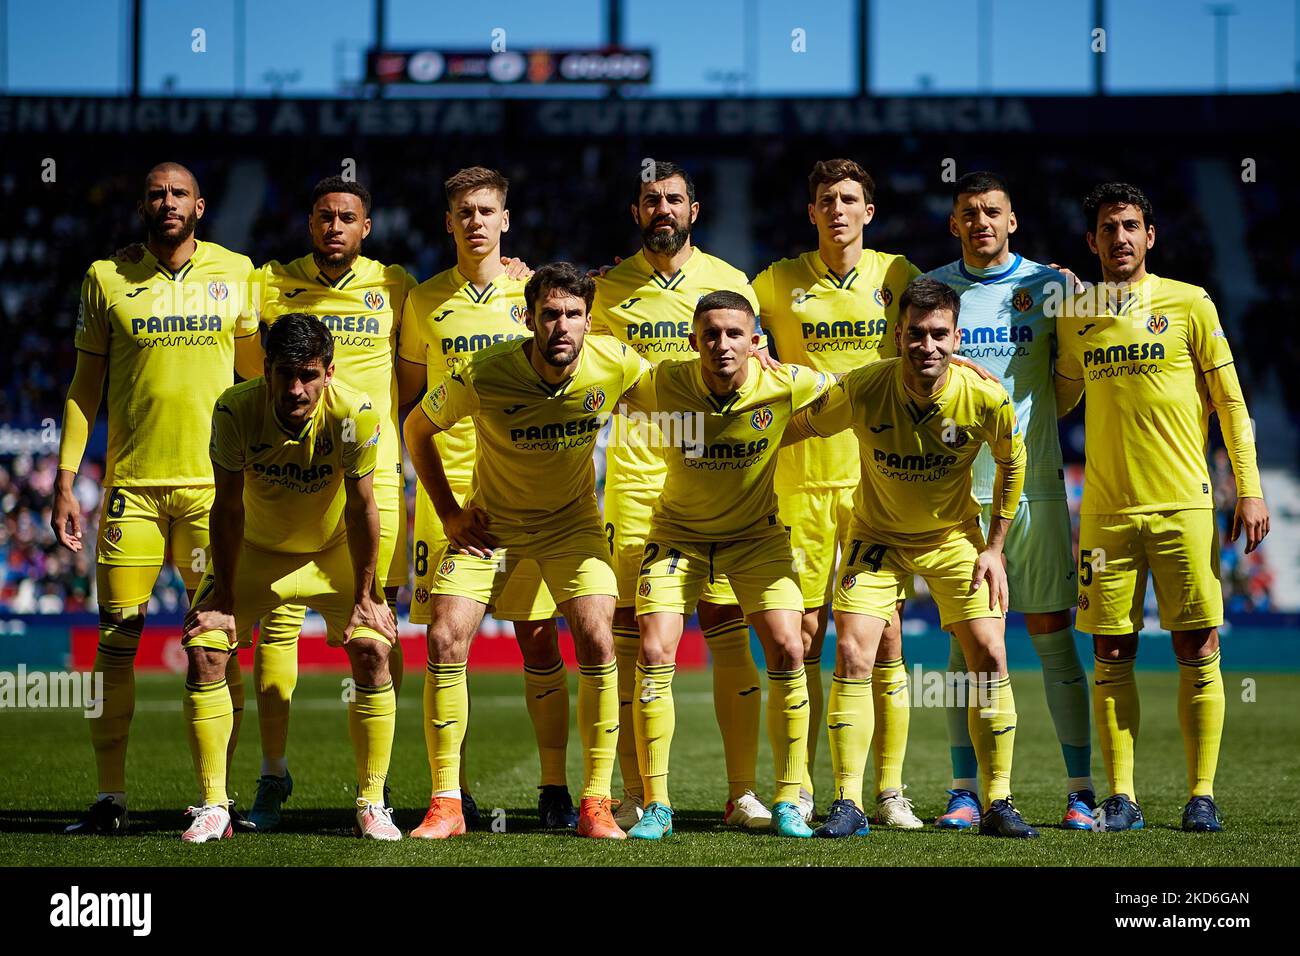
(655, 824)
(787, 820)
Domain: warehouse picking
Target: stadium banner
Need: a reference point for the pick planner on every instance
(1189, 116)
(160, 650)
(524, 67)
(1252, 642)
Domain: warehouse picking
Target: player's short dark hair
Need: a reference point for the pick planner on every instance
(928, 295)
(1120, 194)
(168, 166)
(980, 181)
(337, 184)
(297, 340)
(561, 276)
(721, 299)
(475, 177)
(662, 169)
(827, 172)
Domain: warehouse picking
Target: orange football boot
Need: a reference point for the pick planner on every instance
(596, 819)
(443, 820)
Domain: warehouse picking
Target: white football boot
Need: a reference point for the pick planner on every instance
(375, 822)
(747, 812)
(895, 810)
(211, 822)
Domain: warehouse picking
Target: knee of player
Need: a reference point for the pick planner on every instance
(206, 664)
(539, 642)
(368, 655)
(1191, 645)
(120, 615)
(854, 659)
(446, 644)
(656, 651)
(711, 615)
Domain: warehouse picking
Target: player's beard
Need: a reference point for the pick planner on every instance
(170, 241)
(343, 258)
(559, 359)
(669, 243)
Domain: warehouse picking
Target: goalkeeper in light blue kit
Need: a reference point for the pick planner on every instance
(1008, 327)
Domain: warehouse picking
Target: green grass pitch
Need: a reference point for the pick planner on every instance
(48, 777)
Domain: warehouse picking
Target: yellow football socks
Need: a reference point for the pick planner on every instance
(208, 720)
(115, 660)
(1201, 703)
(372, 716)
(787, 730)
(654, 722)
(737, 702)
(991, 721)
(627, 645)
(546, 693)
(597, 725)
(1118, 714)
(893, 710)
(850, 723)
(812, 666)
(446, 712)
(275, 676)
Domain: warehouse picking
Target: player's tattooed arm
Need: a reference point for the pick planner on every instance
(79, 411)
(361, 517)
(214, 605)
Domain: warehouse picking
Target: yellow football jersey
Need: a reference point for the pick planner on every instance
(653, 314)
(169, 338)
(447, 319)
(916, 453)
(533, 469)
(1141, 363)
(835, 324)
(363, 310)
(293, 481)
(721, 453)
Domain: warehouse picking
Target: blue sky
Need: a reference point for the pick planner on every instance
(702, 47)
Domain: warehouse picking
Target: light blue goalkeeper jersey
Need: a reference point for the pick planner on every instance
(1006, 330)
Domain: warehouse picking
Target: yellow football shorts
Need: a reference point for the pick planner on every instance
(675, 574)
(872, 576)
(627, 525)
(524, 597)
(1181, 551)
(818, 522)
(392, 569)
(139, 529)
(264, 580)
(573, 561)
